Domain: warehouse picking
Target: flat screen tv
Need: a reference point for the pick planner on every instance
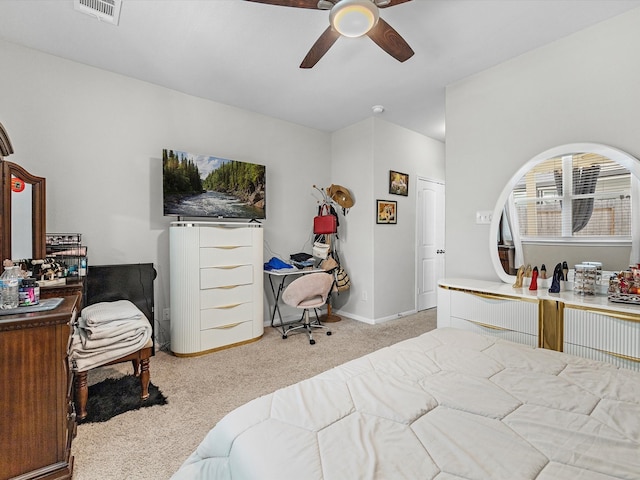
(206, 186)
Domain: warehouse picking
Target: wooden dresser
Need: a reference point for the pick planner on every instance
(37, 424)
(74, 286)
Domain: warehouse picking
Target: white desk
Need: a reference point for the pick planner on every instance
(281, 278)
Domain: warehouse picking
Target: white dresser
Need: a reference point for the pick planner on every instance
(586, 326)
(494, 311)
(216, 285)
(603, 334)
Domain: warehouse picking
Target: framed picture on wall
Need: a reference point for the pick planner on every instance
(386, 211)
(398, 183)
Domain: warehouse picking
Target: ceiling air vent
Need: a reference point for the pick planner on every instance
(104, 10)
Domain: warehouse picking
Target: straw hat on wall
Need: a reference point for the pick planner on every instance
(341, 196)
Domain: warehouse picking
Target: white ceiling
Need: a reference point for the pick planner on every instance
(247, 54)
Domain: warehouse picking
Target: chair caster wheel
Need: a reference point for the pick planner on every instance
(284, 337)
(328, 332)
(312, 342)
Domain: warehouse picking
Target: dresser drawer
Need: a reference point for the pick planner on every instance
(226, 315)
(604, 336)
(225, 256)
(215, 277)
(225, 336)
(602, 356)
(506, 313)
(225, 237)
(216, 297)
(499, 332)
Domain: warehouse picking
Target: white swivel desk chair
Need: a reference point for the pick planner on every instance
(308, 291)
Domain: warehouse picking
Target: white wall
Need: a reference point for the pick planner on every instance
(394, 257)
(351, 167)
(98, 137)
(583, 88)
(381, 259)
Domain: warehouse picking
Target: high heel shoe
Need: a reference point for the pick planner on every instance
(555, 282)
(534, 279)
(543, 272)
(519, 276)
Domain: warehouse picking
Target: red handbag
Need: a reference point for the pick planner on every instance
(325, 222)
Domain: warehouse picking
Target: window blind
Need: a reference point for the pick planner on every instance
(581, 195)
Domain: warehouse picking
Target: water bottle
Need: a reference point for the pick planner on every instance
(10, 280)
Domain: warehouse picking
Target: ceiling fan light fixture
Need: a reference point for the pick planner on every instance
(353, 18)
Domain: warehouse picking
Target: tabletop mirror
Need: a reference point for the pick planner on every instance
(571, 203)
(22, 208)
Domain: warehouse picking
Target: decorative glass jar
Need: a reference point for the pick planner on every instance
(585, 279)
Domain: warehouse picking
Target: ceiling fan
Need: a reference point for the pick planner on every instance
(351, 18)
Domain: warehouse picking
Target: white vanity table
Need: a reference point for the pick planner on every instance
(587, 326)
(584, 325)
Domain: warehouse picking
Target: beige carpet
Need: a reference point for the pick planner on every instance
(152, 443)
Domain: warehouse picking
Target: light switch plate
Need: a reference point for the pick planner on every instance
(484, 217)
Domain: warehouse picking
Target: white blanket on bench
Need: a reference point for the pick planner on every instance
(107, 331)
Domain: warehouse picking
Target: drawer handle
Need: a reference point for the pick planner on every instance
(228, 267)
(631, 317)
(228, 247)
(226, 327)
(620, 355)
(493, 296)
(489, 296)
(227, 307)
(492, 327)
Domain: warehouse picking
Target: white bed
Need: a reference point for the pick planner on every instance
(447, 405)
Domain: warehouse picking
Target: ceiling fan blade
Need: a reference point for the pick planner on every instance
(393, 3)
(291, 3)
(390, 41)
(322, 45)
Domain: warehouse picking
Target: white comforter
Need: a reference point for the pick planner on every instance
(447, 405)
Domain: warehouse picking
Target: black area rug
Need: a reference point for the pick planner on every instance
(114, 396)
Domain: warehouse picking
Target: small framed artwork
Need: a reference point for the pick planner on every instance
(398, 183)
(386, 211)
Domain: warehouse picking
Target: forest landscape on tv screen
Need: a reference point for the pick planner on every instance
(196, 185)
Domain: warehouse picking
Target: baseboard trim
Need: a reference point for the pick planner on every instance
(375, 321)
(341, 313)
